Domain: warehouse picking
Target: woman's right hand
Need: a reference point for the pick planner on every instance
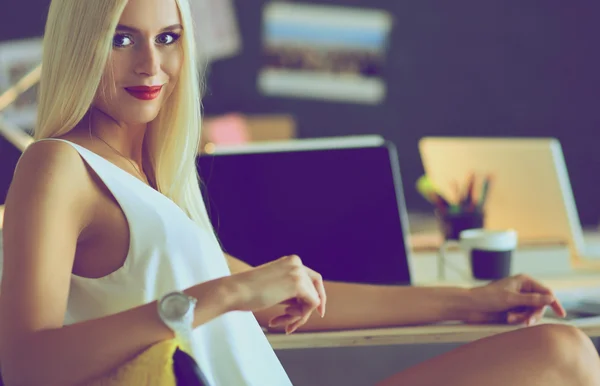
(284, 281)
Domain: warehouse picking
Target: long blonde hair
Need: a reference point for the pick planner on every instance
(77, 46)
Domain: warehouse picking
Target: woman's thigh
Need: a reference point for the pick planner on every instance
(542, 355)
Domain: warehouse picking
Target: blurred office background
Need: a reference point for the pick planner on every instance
(459, 68)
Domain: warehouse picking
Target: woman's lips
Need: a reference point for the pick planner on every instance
(145, 93)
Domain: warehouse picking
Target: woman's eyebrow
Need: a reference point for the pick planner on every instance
(122, 27)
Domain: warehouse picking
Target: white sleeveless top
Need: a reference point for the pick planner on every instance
(167, 252)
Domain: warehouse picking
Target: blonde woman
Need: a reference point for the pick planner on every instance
(104, 218)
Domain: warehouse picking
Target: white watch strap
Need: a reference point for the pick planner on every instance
(184, 337)
(182, 326)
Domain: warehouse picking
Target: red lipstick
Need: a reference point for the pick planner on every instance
(145, 93)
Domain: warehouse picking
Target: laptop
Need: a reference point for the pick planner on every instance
(530, 190)
(582, 305)
(336, 202)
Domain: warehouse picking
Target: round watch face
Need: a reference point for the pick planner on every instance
(175, 306)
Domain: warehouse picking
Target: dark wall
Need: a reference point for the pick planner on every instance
(462, 67)
(23, 19)
(465, 67)
(9, 155)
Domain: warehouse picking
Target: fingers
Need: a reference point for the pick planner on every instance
(527, 316)
(307, 301)
(306, 309)
(310, 293)
(530, 299)
(292, 315)
(304, 290)
(531, 303)
(283, 320)
(536, 316)
(532, 286)
(516, 318)
(558, 309)
(320, 287)
(294, 326)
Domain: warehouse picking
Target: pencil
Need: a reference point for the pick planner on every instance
(484, 191)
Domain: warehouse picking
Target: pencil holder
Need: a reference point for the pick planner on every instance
(451, 224)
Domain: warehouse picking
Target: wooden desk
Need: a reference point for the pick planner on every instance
(439, 333)
(450, 333)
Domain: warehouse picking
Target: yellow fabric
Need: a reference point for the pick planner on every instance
(153, 367)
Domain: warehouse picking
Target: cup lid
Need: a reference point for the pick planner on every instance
(489, 240)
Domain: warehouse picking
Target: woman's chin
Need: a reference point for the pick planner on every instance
(142, 116)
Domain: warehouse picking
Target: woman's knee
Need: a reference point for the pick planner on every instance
(568, 350)
(562, 338)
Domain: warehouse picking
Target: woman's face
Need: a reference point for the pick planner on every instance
(144, 64)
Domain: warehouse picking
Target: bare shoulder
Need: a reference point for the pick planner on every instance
(50, 173)
(47, 155)
(48, 163)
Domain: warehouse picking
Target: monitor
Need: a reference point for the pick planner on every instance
(530, 190)
(336, 202)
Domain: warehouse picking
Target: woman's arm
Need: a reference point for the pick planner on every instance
(368, 306)
(46, 209)
(353, 306)
(350, 306)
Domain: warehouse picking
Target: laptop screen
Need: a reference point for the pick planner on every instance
(340, 209)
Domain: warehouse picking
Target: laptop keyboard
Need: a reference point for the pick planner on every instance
(588, 305)
(579, 303)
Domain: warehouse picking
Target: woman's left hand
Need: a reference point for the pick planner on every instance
(513, 300)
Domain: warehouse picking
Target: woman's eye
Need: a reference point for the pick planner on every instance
(167, 38)
(122, 40)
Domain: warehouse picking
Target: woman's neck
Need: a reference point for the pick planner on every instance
(126, 139)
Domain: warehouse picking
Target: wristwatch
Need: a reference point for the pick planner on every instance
(176, 310)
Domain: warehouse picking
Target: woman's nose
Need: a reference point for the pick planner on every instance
(148, 60)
